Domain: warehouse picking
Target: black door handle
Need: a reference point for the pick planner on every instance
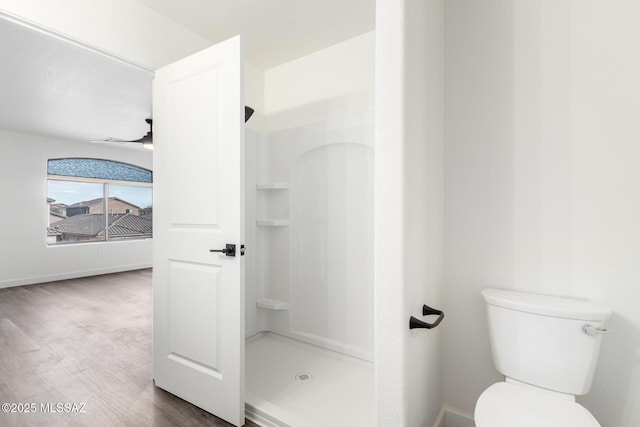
(426, 311)
(229, 250)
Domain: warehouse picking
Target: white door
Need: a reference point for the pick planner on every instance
(198, 295)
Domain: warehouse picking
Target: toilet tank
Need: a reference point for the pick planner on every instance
(540, 339)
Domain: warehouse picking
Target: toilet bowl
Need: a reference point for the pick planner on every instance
(547, 348)
(509, 405)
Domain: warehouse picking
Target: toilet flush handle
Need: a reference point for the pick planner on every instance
(592, 330)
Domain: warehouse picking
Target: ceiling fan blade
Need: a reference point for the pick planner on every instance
(147, 139)
(116, 140)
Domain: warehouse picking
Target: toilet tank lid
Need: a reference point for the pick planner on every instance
(547, 305)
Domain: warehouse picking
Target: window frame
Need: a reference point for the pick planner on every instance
(105, 200)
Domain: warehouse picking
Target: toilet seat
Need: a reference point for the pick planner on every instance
(508, 405)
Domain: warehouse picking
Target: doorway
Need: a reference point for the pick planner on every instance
(308, 235)
(309, 281)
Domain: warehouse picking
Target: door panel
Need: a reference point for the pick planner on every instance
(198, 348)
(189, 207)
(189, 284)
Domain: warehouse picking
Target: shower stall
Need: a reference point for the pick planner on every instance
(309, 263)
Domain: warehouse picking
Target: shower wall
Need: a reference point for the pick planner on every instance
(312, 190)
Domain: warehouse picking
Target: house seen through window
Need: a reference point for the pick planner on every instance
(94, 200)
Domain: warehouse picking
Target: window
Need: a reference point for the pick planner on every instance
(94, 200)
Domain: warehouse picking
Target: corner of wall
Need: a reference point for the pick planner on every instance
(254, 95)
(129, 30)
(453, 418)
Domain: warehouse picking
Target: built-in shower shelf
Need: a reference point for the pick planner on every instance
(273, 186)
(273, 222)
(272, 304)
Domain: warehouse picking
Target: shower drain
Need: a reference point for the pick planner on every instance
(303, 377)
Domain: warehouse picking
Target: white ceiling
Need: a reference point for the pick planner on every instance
(54, 88)
(274, 31)
(51, 87)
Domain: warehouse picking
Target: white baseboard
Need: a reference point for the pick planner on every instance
(454, 418)
(440, 420)
(71, 275)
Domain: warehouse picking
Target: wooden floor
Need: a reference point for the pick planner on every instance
(85, 342)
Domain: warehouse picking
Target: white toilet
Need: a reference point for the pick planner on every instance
(547, 349)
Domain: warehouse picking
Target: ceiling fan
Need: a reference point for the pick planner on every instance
(147, 140)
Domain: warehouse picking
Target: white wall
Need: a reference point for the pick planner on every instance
(254, 95)
(409, 203)
(542, 187)
(329, 84)
(25, 256)
(124, 28)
